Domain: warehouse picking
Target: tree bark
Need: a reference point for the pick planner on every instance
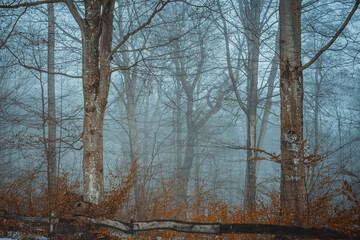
(51, 146)
(292, 183)
(96, 82)
(51, 142)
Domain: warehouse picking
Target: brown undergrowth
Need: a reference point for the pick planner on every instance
(328, 205)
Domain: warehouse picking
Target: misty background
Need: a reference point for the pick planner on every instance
(172, 95)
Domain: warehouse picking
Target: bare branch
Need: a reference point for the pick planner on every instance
(12, 29)
(38, 69)
(75, 14)
(213, 108)
(337, 34)
(129, 34)
(71, 145)
(29, 4)
(228, 60)
(68, 34)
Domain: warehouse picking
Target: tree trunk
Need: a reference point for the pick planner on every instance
(318, 81)
(51, 142)
(191, 135)
(51, 146)
(292, 183)
(178, 125)
(251, 22)
(193, 124)
(133, 139)
(250, 177)
(96, 82)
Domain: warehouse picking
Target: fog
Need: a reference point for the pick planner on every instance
(193, 100)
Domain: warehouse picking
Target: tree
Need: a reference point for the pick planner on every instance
(133, 82)
(188, 62)
(197, 102)
(96, 31)
(96, 34)
(292, 185)
(51, 146)
(254, 25)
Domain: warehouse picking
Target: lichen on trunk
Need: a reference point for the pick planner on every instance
(97, 39)
(292, 183)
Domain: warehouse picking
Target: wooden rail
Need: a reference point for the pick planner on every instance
(193, 227)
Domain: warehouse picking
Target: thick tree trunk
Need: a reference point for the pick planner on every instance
(51, 146)
(292, 183)
(96, 82)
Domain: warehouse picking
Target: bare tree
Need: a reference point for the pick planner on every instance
(249, 13)
(96, 31)
(194, 102)
(291, 92)
(292, 185)
(51, 146)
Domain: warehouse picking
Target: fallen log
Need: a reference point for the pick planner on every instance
(193, 227)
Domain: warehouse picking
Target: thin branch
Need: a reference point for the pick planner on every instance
(129, 34)
(228, 60)
(29, 4)
(68, 34)
(337, 34)
(12, 29)
(37, 69)
(75, 14)
(71, 145)
(236, 147)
